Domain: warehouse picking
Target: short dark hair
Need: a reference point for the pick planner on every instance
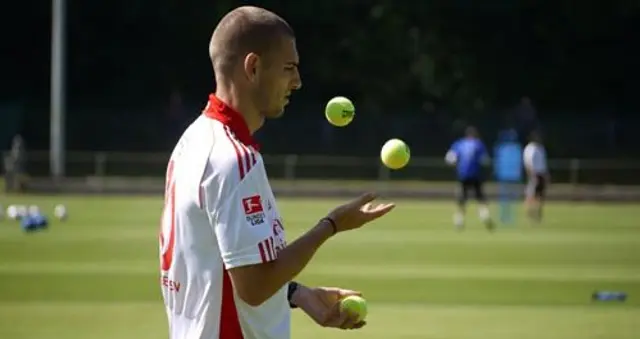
(535, 135)
(243, 30)
(471, 131)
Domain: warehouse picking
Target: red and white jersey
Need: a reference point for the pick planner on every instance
(219, 213)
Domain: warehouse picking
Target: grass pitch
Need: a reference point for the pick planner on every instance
(96, 275)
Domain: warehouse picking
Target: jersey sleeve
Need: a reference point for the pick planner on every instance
(241, 225)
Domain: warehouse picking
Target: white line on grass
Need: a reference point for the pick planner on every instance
(426, 271)
(376, 236)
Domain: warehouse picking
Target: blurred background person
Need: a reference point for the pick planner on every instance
(469, 155)
(14, 165)
(507, 167)
(535, 163)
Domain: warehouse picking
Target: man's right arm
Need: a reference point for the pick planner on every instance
(245, 232)
(257, 283)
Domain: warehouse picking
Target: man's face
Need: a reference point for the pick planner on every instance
(279, 77)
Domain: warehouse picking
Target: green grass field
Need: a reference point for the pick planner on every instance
(96, 275)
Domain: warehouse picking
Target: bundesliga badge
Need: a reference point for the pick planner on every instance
(253, 210)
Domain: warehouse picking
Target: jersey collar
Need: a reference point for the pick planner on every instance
(228, 116)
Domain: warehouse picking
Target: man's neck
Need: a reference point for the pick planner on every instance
(231, 96)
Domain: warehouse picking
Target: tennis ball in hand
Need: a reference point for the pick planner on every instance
(339, 111)
(395, 154)
(355, 304)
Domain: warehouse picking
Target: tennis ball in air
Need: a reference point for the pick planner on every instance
(395, 154)
(355, 304)
(339, 111)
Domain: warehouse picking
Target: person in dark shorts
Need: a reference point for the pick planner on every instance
(469, 155)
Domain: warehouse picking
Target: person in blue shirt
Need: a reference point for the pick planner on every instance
(469, 156)
(507, 165)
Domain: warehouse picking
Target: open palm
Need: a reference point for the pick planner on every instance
(358, 212)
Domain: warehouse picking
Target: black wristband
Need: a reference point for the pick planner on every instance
(293, 286)
(332, 222)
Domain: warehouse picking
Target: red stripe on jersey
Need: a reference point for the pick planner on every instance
(247, 156)
(239, 154)
(267, 249)
(253, 156)
(229, 322)
(272, 249)
(167, 255)
(263, 253)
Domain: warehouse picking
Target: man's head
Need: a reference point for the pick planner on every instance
(254, 51)
(508, 135)
(471, 132)
(535, 136)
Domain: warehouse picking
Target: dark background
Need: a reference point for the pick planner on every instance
(138, 72)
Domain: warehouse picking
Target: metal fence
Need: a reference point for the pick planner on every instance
(295, 167)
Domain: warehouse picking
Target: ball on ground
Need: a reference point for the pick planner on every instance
(355, 304)
(60, 212)
(12, 212)
(339, 111)
(33, 210)
(395, 154)
(22, 211)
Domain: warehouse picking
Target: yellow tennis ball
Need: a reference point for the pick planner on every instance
(395, 154)
(355, 304)
(339, 111)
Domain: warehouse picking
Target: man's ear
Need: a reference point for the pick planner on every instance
(252, 65)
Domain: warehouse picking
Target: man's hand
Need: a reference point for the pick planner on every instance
(322, 304)
(358, 212)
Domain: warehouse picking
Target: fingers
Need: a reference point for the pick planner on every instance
(376, 211)
(366, 204)
(380, 207)
(346, 293)
(344, 319)
(365, 198)
(338, 318)
(359, 211)
(349, 320)
(359, 325)
(340, 293)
